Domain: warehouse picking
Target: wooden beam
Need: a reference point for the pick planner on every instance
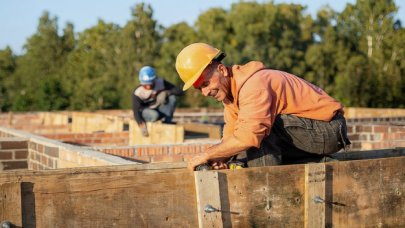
(87, 172)
(208, 195)
(315, 195)
(10, 203)
(140, 200)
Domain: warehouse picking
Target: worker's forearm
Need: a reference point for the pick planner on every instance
(227, 148)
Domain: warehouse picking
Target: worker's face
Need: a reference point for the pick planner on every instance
(149, 86)
(215, 83)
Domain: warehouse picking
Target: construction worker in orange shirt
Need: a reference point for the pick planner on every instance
(271, 117)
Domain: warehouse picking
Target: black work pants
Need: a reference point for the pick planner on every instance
(296, 140)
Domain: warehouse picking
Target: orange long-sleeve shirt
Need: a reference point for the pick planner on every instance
(261, 94)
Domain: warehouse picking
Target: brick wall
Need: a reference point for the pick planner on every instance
(363, 137)
(8, 119)
(399, 120)
(371, 137)
(44, 153)
(159, 153)
(92, 139)
(42, 157)
(13, 153)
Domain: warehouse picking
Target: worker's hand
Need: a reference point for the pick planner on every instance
(144, 130)
(219, 165)
(197, 160)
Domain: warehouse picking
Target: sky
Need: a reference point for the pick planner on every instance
(19, 18)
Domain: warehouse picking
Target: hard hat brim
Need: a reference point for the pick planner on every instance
(193, 79)
(197, 75)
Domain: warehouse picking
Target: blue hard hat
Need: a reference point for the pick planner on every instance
(147, 75)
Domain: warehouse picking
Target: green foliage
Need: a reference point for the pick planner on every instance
(7, 68)
(357, 55)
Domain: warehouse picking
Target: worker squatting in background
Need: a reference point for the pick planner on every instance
(154, 99)
(271, 117)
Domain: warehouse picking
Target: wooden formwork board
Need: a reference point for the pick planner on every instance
(364, 193)
(10, 203)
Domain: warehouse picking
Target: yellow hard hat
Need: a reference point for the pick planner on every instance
(192, 61)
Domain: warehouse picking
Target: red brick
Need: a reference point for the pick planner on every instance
(397, 129)
(354, 137)
(355, 146)
(363, 128)
(37, 157)
(167, 158)
(40, 148)
(6, 155)
(351, 129)
(10, 165)
(50, 162)
(13, 144)
(21, 154)
(52, 151)
(401, 135)
(44, 160)
(400, 144)
(380, 129)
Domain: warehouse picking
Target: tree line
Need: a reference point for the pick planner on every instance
(356, 55)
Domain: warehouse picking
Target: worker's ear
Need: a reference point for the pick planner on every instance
(222, 69)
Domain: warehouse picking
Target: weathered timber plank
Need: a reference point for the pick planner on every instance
(207, 193)
(369, 193)
(263, 197)
(29, 175)
(142, 200)
(315, 193)
(365, 193)
(10, 203)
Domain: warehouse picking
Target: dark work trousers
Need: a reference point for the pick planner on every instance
(296, 140)
(163, 110)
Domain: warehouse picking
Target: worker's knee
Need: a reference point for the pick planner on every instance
(150, 115)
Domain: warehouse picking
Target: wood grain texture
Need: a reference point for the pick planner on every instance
(208, 193)
(141, 200)
(369, 193)
(363, 193)
(263, 197)
(315, 195)
(10, 203)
